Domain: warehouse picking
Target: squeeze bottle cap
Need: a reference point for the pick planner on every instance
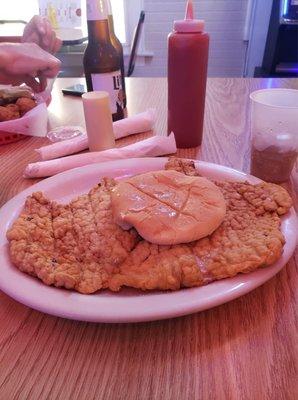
(189, 24)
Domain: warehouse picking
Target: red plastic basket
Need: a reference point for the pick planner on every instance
(8, 137)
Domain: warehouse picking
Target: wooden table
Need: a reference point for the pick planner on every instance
(246, 349)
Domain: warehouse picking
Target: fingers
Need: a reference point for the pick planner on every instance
(57, 45)
(29, 59)
(52, 43)
(53, 68)
(33, 83)
(36, 24)
(29, 28)
(7, 79)
(40, 31)
(47, 37)
(40, 23)
(50, 69)
(32, 37)
(42, 83)
(36, 85)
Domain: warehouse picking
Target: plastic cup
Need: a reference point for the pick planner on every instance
(274, 133)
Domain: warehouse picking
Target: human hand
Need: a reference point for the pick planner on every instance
(23, 62)
(39, 31)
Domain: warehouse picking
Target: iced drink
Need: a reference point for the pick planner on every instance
(274, 129)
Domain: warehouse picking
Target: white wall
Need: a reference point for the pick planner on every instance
(258, 35)
(224, 22)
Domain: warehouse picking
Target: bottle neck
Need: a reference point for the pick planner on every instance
(111, 26)
(98, 31)
(97, 10)
(111, 23)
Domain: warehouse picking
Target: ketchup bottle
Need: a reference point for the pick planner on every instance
(188, 47)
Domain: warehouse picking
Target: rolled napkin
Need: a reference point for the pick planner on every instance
(138, 123)
(152, 147)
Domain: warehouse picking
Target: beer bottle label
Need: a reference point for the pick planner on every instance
(97, 10)
(110, 82)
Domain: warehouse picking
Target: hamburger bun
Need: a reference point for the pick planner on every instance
(168, 207)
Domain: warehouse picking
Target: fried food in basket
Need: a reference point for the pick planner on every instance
(5, 114)
(15, 101)
(24, 104)
(14, 110)
(79, 246)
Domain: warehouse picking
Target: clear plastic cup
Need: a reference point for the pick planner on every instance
(274, 133)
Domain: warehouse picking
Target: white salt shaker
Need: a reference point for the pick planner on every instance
(98, 118)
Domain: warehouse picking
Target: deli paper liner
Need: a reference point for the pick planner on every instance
(138, 123)
(152, 147)
(34, 122)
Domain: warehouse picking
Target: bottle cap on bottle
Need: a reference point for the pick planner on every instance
(189, 24)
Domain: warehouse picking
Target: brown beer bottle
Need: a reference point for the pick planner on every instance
(118, 45)
(102, 63)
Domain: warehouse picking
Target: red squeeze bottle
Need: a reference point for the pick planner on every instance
(188, 47)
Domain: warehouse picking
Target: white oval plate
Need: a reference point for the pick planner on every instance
(128, 305)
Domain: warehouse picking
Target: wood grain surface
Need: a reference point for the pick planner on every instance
(245, 349)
